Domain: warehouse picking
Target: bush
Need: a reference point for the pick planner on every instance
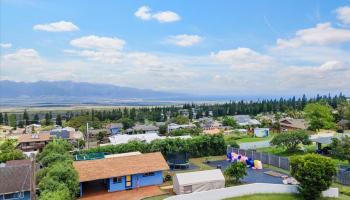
(185, 131)
(340, 149)
(314, 173)
(236, 171)
(8, 151)
(291, 140)
(198, 146)
(58, 179)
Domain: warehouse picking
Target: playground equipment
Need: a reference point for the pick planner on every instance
(234, 157)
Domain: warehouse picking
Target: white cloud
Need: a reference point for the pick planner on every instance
(184, 40)
(322, 34)
(144, 13)
(343, 14)
(29, 56)
(109, 57)
(166, 16)
(5, 45)
(61, 26)
(96, 42)
(243, 58)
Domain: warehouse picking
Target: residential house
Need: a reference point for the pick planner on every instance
(15, 179)
(142, 129)
(289, 124)
(32, 128)
(114, 128)
(173, 126)
(246, 120)
(121, 172)
(33, 142)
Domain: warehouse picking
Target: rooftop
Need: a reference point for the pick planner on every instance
(120, 166)
(17, 178)
(34, 137)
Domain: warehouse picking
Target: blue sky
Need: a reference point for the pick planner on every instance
(204, 47)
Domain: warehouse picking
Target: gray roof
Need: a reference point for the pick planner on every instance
(143, 128)
(17, 179)
(323, 140)
(294, 123)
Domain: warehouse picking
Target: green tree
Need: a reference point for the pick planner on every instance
(163, 129)
(319, 116)
(235, 171)
(101, 135)
(12, 121)
(59, 120)
(36, 118)
(127, 123)
(47, 121)
(6, 119)
(229, 121)
(291, 140)
(340, 148)
(314, 173)
(181, 120)
(8, 151)
(26, 117)
(1, 119)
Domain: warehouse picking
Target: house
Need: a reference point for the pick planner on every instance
(173, 126)
(121, 172)
(142, 129)
(32, 128)
(15, 179)
(33, 142)
(114, 128)
(245, 120)
(289, 124)
(60, 133)
(184, 183)
(124, 138)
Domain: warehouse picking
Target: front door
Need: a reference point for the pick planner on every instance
(128, 182)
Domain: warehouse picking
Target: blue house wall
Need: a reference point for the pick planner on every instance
(17, 195)
(138, 180)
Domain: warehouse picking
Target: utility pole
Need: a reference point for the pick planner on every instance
(87, 135)
(33, 180)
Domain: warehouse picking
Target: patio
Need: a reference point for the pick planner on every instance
(135, 194)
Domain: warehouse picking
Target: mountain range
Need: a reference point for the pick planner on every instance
(11, 89)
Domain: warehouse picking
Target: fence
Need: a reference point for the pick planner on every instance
(277, 161)
(343, 175)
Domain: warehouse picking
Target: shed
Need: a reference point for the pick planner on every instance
(185, 183)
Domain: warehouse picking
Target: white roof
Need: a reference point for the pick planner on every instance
(148, 137)
(205, 176)
(123, 154)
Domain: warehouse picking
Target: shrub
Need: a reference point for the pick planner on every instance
(198, 146)
(314, 173)
(291, 140)
(236, 171)
(8, 151)
(340, 149)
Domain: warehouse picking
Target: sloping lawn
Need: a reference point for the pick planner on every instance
(276, 197)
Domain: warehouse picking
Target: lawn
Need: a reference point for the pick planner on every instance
(160, 197)
(276, 197)
(243, 138)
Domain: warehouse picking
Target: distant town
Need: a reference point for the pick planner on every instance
(177, 152)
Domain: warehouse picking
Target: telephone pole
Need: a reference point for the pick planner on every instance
(33, 179)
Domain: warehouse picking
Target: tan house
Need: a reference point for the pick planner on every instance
(33, 142)
(289, 124)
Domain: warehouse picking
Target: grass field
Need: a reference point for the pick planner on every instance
(278, 197)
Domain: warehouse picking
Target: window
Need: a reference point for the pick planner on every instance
(148, 174)
(117, 179)
(188, 189)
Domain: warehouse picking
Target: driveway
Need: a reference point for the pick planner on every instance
(135, 194)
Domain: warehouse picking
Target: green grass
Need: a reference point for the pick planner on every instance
(243, 138)
(343, 189)
(275, 197)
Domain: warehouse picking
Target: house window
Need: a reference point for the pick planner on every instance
(148, 174)
(188, 189)
(12, 196)
(117, 179)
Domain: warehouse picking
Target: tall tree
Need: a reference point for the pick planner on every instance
(12, 121)
(1, 119)
(36, 118)
(26, 117)
(6, 119)
(319, 116)
(59, 120)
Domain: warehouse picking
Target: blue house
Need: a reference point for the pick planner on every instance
(121, 172)
(15, 178)
(114, 128)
